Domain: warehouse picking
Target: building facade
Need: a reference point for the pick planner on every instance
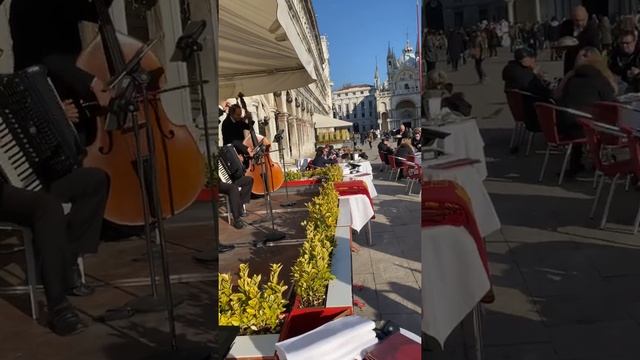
(398, 98)
(356, 104)
(542, 10)
(464, 13)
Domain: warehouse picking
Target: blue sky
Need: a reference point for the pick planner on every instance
(360, 30)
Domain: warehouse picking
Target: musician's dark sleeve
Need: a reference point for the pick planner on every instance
(84, 9)
(63, 71)
(240, 148)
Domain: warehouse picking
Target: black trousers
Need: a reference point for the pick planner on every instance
(237, 197)
(58, 239)
(479, 69)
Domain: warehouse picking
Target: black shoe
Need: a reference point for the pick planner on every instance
(222, 248)
(239, 224)
(244, 214)
(78, 288)
(65, 321)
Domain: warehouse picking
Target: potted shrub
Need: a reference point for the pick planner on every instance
(258, 309)
(313, 272)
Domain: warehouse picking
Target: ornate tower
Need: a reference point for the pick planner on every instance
(376, 78)
(392, 63)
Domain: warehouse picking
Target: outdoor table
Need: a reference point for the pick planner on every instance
(454, 279)
(365, 167)
(467, 176)
(367, 178)
(465, 141)
(355, 211)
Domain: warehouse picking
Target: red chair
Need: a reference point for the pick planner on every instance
(611, 113)
(514, 100)
(520, 103)
(414, 174)
(395, 164)
(547, 116)
(595, 132)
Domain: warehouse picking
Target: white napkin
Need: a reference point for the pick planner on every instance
(355, 350)
(322, 342)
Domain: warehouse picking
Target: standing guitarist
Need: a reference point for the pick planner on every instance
(46, 32)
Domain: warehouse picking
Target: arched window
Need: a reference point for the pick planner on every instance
(406, 86)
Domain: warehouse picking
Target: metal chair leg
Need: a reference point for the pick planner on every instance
(636, 222)
(595, 201)
(80, 262)
(595, 178)
(627, 183)
(529, 144)
(544, 163)
(513, 136)
(564, 163)
(609, 198)
(370, 238)
(32, 281)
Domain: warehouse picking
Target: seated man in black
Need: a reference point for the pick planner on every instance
(239, 193)
(322, 159)
(520, 74)
(59, 239)
(624, 61)
(384, 149)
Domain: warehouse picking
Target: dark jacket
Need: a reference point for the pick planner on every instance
(518, 77)
(586, 87)
(46, 32)
(233, 132)
(589, 36)
(455, 44)
(620, 63)
(321, 161)
(403, 151)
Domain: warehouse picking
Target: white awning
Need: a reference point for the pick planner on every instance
(260, 50)
(323, 121)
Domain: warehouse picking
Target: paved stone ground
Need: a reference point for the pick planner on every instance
(390, 269)
(565, 289)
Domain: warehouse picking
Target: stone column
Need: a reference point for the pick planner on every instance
(511, 11)
(281, 119)
(293, 129)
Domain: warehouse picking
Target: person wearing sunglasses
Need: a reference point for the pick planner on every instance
(624, 61)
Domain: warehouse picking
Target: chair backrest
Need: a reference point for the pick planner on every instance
(411, 159)
(516, 105)
(383, 157)
(547, 119)
(608, 113)
(392, 161)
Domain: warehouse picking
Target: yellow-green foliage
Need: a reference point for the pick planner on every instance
(256, 308)
(291, 175)
(312, 270)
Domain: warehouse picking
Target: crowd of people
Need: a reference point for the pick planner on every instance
(601, 61)
(598, 66)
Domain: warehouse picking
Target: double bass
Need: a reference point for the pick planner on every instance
(179, 163)
(261, 147)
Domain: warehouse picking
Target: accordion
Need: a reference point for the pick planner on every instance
(38, 144)
(230, 166)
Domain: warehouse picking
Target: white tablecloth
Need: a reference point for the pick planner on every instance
(467, 177)
(465, 141)
(453, 279)
(355, 211)
(365, 167)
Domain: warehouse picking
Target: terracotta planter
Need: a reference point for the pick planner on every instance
(303, 320)
(339, 300)
(208, 193)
